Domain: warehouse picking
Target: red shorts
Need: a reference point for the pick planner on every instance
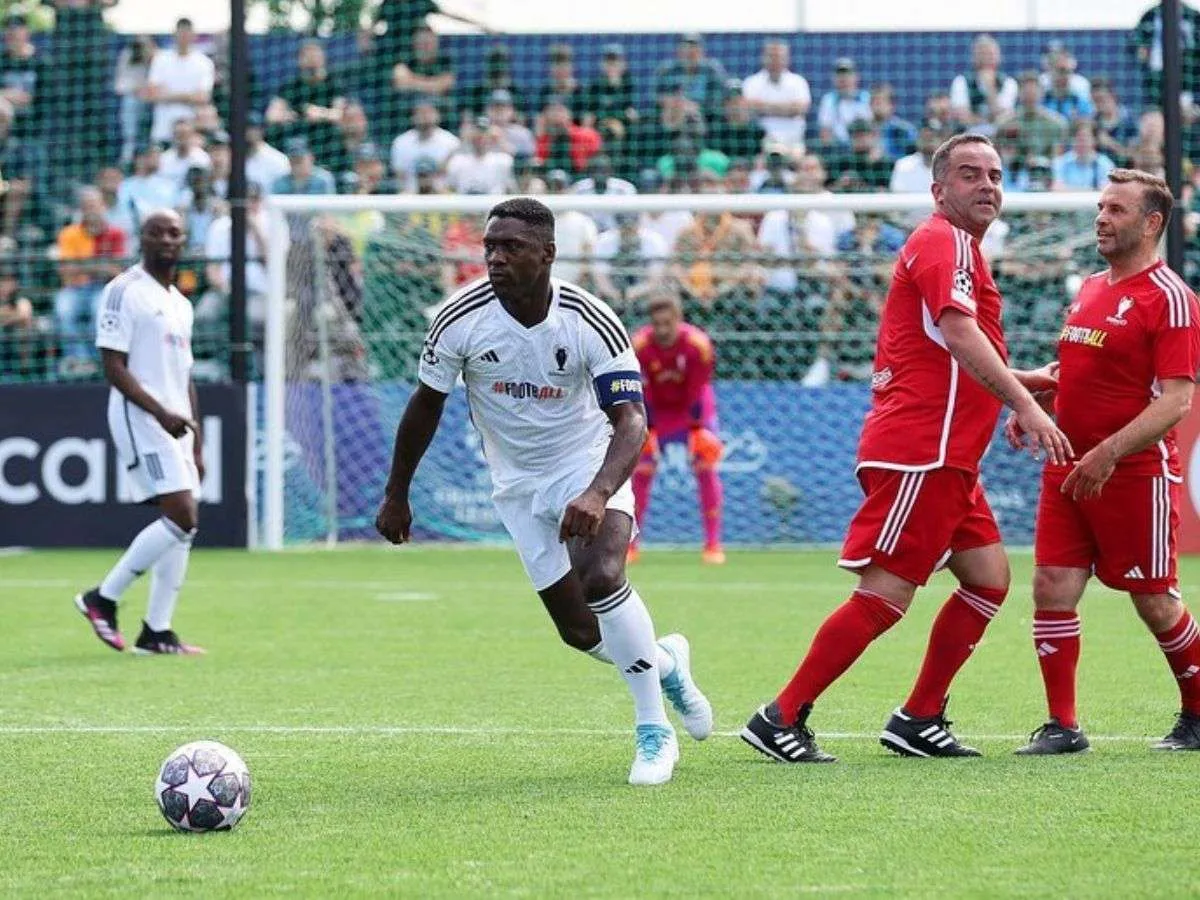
(1126, 535)
(910, 522)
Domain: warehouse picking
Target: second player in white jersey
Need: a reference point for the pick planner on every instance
(532, 391)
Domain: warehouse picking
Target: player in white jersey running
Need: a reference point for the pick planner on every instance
(554, 390)
(144, 332)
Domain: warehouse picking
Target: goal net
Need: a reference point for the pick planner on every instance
(789, 287)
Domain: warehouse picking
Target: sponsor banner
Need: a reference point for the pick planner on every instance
(788, 471)
(61, 484)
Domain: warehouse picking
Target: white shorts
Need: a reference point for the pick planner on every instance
(154, 462)
(533, 518)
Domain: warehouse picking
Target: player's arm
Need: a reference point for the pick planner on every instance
(116, 372)
(1167, 410)
(198, 443)
(975, 353)
(413, 436)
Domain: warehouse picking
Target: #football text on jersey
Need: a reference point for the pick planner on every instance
(535, 394)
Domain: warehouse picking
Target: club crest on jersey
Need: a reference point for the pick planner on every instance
(1123, 306)
(963, 283)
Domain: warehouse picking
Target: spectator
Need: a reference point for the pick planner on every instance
(666, 225)
(352, 136)
(863, 166)
(220, 109)
(108, 183)
(511, 136)
(913, 174)
(1148, 151)
(18, 328)
(429, 73)
(91, 251)
(699, 78)
(1061, 93)
(897, 136)
(311, 104)
(462, 250)
(687, 158)
(425, 140)
(778, 96)
(18, 169)
(199, 206)
(218, 248)
(130, 84)
(714, 260)
(939, 113)
(738, 135)
(367, 76)
(561, 144)
(1056, 55)
(677, 116)
(220, 157)
(22, 78)
(401, 20)
(1081, 168)
(846, 103)
(1116, 131)
(737, 178)
(601, 181)
(184, 153)
(630, 262)
(777, 174)
(497, 76)
(477, 167)
(145, 190)
(526, 174)
(985, 94)
(608, 104)
(797, 238)
(560, 80)
(1037, 130)
(264, 164)
(180, 82)
(304, 175)
(370, 177)
(1146, 42)
(575, 235)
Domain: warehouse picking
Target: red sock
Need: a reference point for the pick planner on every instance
(956, 631)
(709, 486)
(839, 641)
(1056, 640)
(643, 478)
(1182, 649)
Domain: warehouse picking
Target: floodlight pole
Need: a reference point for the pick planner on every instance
(239, 91)
(1172, 88)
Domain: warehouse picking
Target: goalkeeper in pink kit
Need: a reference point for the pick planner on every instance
(677, 366)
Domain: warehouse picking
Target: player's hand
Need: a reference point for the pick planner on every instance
(1043, 434)
(176, 425)
(1042, 379)
(1087, 479)
(394, 520)
(1014, 433)
(583, 517)
(705, 447)
(651, 448)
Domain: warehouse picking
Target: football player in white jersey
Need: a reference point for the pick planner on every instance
(144, 332)
(555, 392)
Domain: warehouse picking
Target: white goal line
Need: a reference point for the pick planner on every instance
(457, 731)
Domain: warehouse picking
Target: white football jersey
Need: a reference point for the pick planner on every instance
(530, 390)
(153, 325)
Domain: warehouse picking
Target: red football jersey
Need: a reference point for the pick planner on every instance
(1119, 341)
(675, 377)
(925, 412)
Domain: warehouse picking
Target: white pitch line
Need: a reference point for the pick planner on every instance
(458, 730)
(405, 597)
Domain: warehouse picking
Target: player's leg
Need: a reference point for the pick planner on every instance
(643, 482)
(1064, 553)
(705, 463)
(894, 543)
(1136, 520)
(166, 580)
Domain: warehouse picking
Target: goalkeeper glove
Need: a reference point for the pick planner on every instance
(705, 447)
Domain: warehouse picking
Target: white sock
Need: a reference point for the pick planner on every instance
(665, 661)
(150, 544)
(166, 578)
(628, 637)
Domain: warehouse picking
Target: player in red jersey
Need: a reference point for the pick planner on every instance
(1128, 356)
(677, 365)
(939, 382)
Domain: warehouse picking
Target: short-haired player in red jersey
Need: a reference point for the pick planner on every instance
(677, 366)
(940, 380)
(1127, 358)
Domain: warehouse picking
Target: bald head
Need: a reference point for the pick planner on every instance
(163, 236)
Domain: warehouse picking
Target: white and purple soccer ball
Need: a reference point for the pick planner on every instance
(203, 786)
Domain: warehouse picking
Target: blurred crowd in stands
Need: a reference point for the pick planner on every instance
(398, 119)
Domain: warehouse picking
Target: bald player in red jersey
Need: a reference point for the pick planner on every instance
(677, 361)
(1128, 356)
(940, 380)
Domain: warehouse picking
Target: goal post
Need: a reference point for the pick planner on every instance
(354, 279)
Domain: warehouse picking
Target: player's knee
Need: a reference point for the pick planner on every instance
(184, 513)
(602, 578)
(1158, 611)
(1054, 589)
(581, 636)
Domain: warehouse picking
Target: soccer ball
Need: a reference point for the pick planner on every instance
(203, 786)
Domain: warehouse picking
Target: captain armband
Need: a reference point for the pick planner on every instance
(618, 387)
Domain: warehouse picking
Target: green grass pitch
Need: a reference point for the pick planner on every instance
(414, 728)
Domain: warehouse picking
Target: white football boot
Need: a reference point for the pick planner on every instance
(681, 690)
(657, 753)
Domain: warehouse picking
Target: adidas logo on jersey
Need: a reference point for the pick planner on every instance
(489, 357)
